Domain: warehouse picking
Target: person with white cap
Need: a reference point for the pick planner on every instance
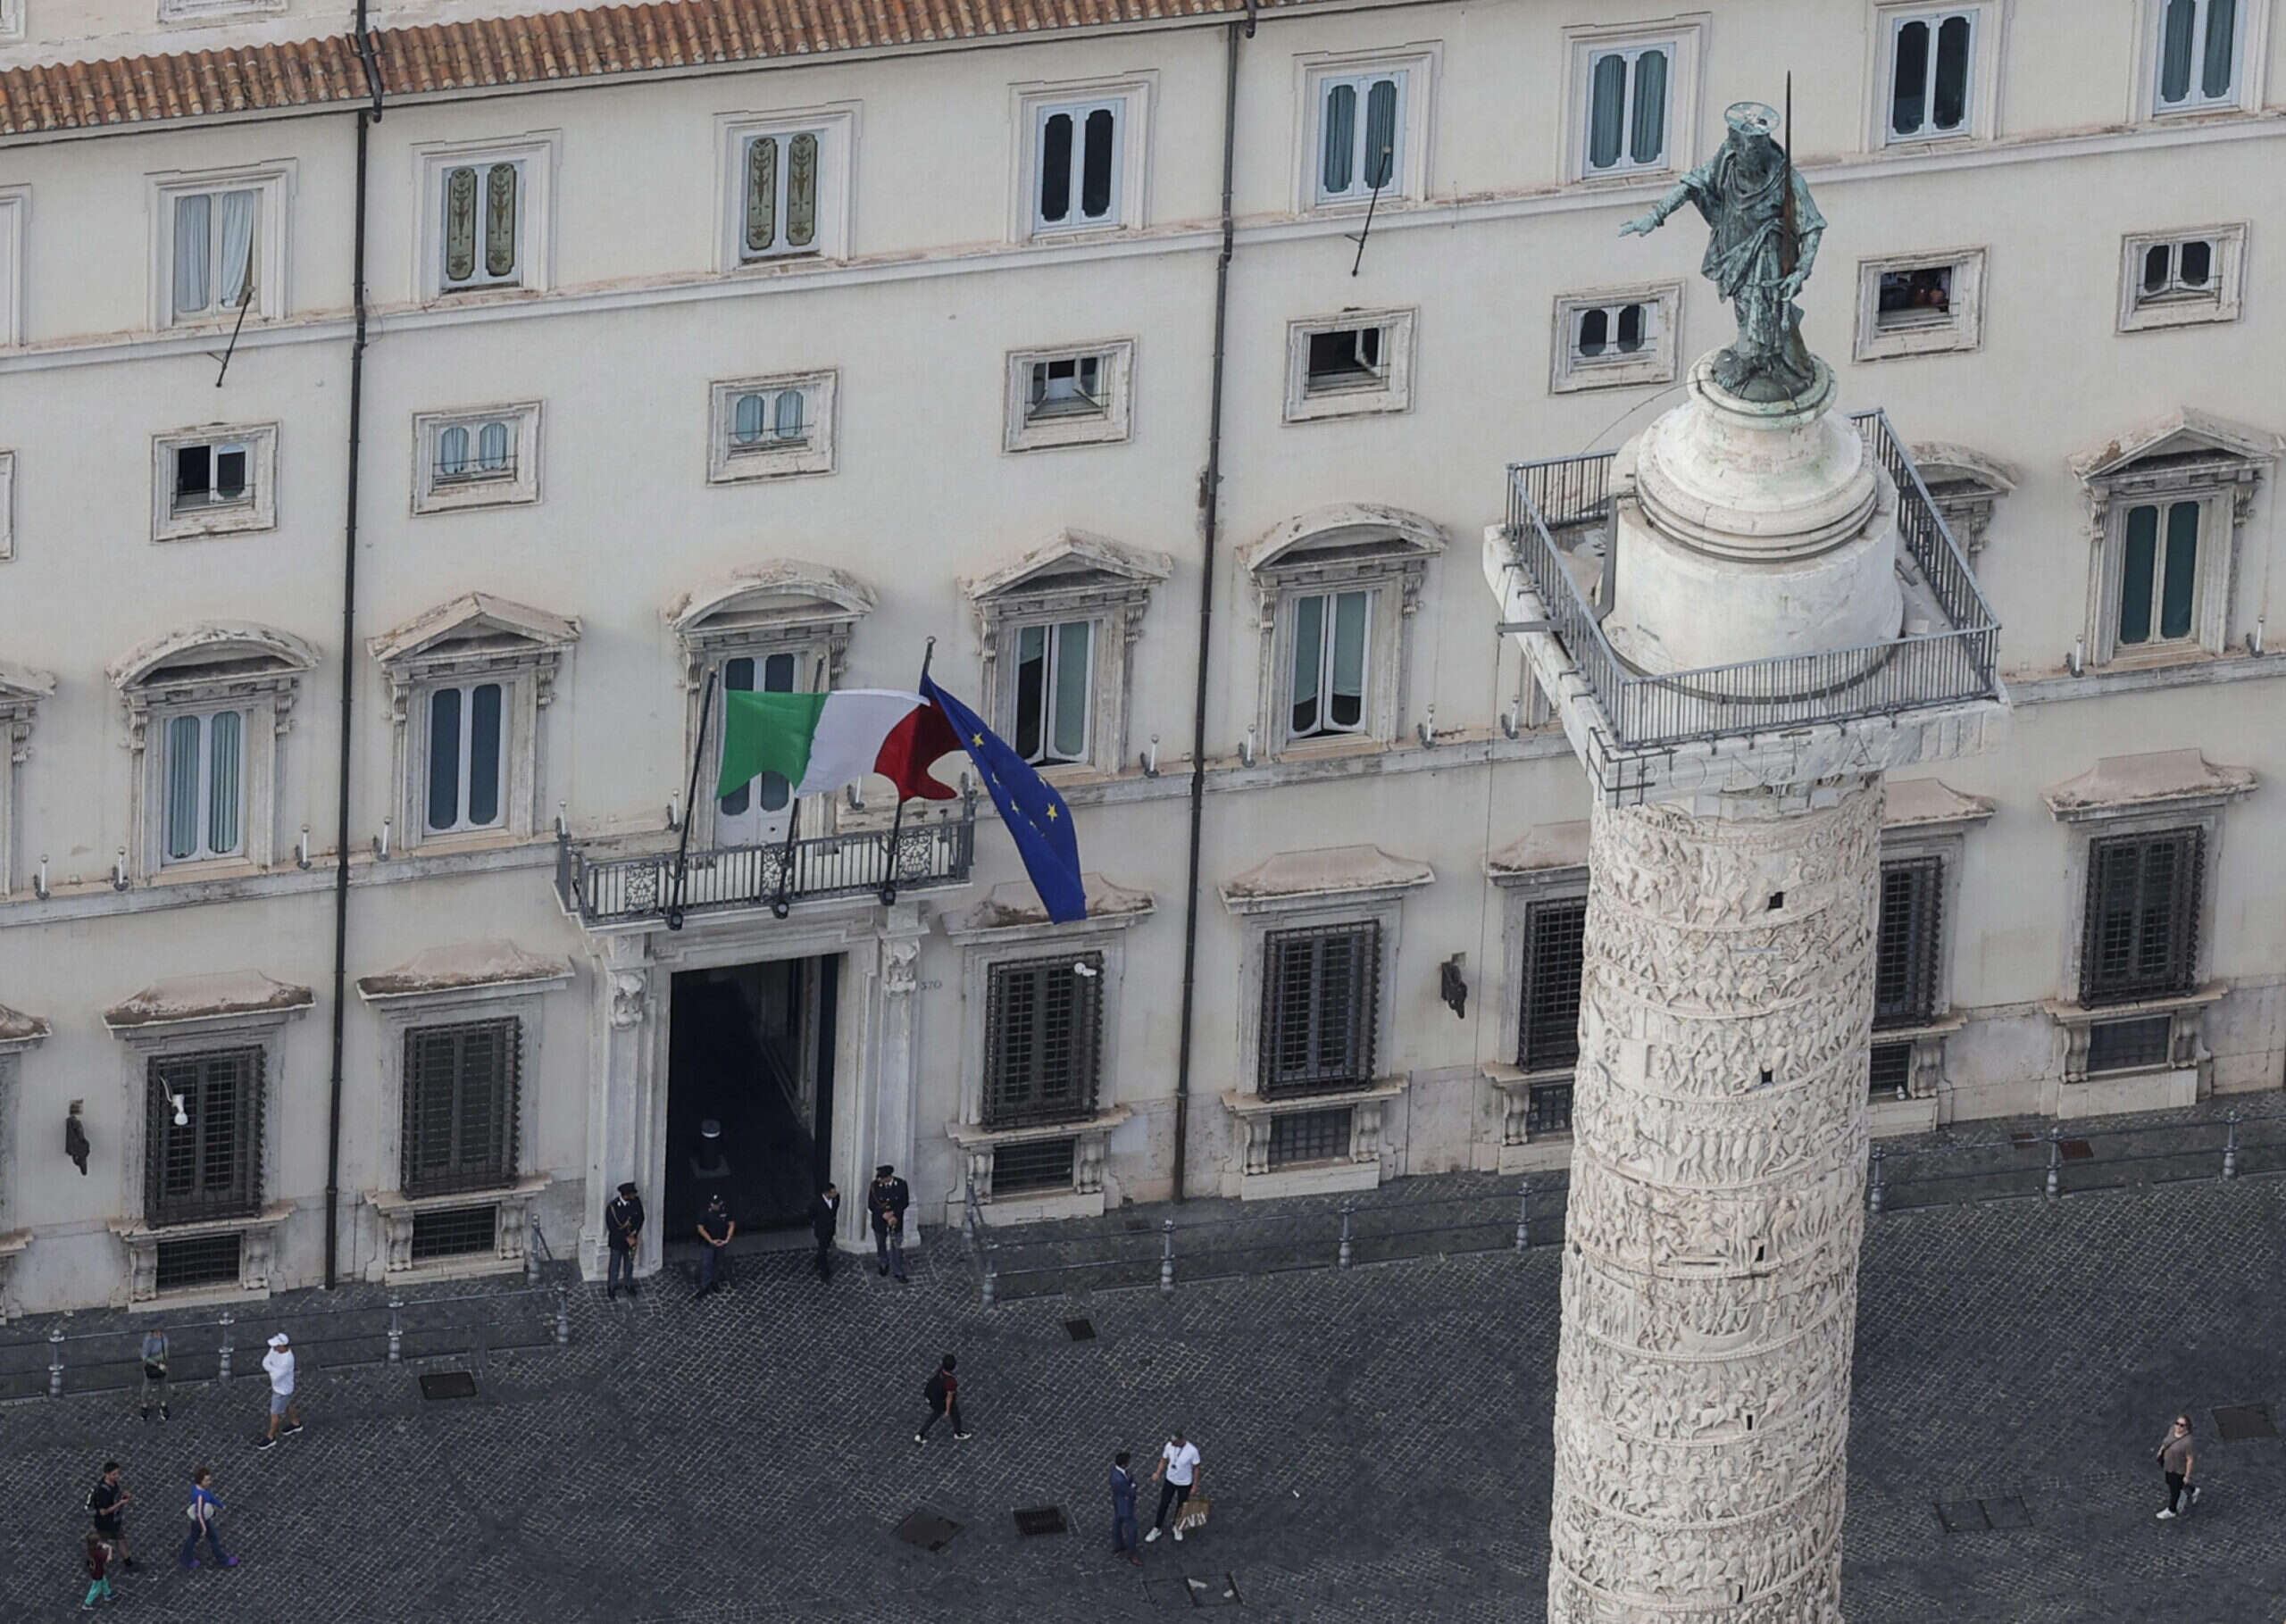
(279, 1365)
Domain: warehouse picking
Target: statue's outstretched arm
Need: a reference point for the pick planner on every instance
(1643, 224)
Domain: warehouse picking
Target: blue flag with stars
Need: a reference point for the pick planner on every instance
(1037, 817)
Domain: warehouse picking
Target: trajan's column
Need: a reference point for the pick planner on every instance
(1744, 619)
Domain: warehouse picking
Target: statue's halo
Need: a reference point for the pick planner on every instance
(1751, 118)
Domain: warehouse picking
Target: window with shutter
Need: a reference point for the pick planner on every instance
(1904, 942)
(1043, 1024)
(2140, 938)
(460, 1106)
(2158, 582)
(468, 756)
(1555, 942)
(482, 242)
(1321, 989)
(1077, 186)
(203, 1144)
(780, 194)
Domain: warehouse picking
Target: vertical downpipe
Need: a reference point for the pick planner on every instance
(367, 116)
(1210, 490)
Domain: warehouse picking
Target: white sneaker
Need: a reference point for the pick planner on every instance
(2164, 1514)
(1152, 1535)
(1178, 1537)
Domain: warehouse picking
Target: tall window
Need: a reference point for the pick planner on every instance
(460, 1106)
(1360, 123)
(1042, 1040)
(483, 239)
(1319, 990)
(2198, 53)
(468, 756)
(2141, 938)
(1627, 108)
(205, 786)
(213, 251)
(1547, 1033)
(1930, 55)
(780, 194)
(1326, 692)
(1079, 166)
(1055, 677)
(769, 793)
(1904, 942)
(202, 1155)
(2158, 582)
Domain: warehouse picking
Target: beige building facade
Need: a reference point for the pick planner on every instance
(762, 359)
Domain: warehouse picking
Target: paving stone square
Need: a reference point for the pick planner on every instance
(1376, 1444)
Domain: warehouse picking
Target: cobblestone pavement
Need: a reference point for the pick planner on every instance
(1376, 1441)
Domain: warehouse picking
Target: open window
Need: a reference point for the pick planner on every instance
(213, 481)
(1075, 395)
(1354, 365)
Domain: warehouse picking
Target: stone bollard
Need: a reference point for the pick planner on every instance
(1344, 1261)
(2230, 1148)
(223, 1367)
(531, 1248)
(55, 1362)
(1167, 1256)
(2055, 1162)
(1525, 1216)
(563, 1317)
(991, 1270)
(397, 1329)
(1873, 1188)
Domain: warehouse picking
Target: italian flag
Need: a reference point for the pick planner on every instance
(819, 742)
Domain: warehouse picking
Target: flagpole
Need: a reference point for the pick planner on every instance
(897, 821)
(782, 904)
(690, 803)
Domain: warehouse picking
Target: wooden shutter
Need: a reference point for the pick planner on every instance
(1554, 951)
(2140, 936)
(1043, 1041)
(1320, 1018)
(211, 1165)
(460, 1107)
(1904, 942)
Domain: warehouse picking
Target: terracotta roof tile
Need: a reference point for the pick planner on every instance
(500, 51)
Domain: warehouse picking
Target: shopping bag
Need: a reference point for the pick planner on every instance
(1193, 1514)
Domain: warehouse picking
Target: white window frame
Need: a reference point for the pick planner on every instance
(466, 689)
(1052, 655)
(1655, 362)
(206, 851)
(21, 690)
(1108, 425)
(2250, 63)
(15, 213)
(2226, 278)
(1130, 99)
(1417, 70)
(1685, 36)
(2209, 599)
(12, 29)
(258, 512)
(1326, 731)
(1988, 21)
(813, 454)
(1961, 327)
(433, 493)
(272, 185)
(210, 10)
(1392, 391)
(835, 124)
(536, 155)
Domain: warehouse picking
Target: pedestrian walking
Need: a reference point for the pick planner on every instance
(825, 1219)
(943, 1392)
(94, 1561)
(622, 1231)
(156, 1388)
(715, 1229)
(1177, 1475)
(205, 1506)
(2177, 1459)
(1123, 1541)
(105, 1502)
(279, 1363)
(887, 1199)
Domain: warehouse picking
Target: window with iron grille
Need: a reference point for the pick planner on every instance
(1320, 989)
(1303, 1136)
(2130, 1046)
(205, 1260)
(1547, 1109)
(1904, 942)
(1547, 1032)
(1043, 1025)
(455, 1232)
(202, 1155)
(1041, 1164)
(460, 1106)
(2141, 938)
(1889, 1076)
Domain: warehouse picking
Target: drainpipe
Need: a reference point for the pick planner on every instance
(1210, 490)
(367, 117)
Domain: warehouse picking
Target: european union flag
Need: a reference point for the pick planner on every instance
(1037, 817)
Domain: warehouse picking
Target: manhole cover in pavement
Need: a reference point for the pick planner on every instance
(2078, 1150)
(1042, 1519)
(1080, 1330)
(930, 1530)
(1961, 1516)
(1214, 1590)
(2236, 1422)
(2008, 1513)
(448, 1383)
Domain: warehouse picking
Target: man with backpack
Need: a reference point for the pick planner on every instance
(105, 1502)
(943, 1395)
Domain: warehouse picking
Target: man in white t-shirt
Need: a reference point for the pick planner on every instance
(1177, 1475)
(279, 1363)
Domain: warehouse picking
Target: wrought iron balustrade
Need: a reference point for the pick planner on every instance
(1951, 666)
(607, 890)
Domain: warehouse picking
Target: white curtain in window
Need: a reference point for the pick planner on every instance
(789, 414)
(452, 452)
(237, 247)
(492, 447)
(194, 251)
(746, 421)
